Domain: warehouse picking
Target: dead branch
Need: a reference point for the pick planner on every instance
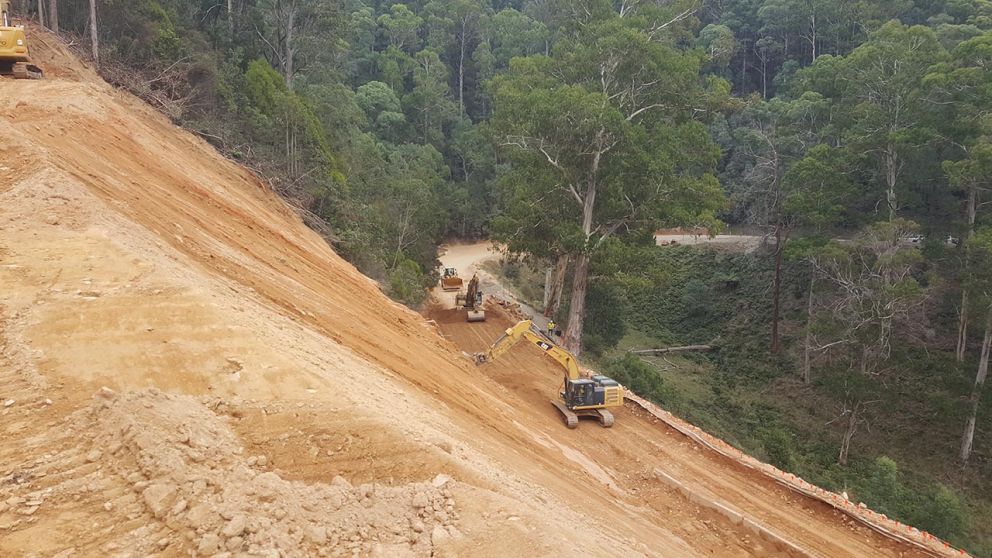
(666, 350)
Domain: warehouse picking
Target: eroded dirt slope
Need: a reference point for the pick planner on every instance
(185, 368)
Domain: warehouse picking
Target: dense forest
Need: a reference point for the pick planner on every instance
(856, 135)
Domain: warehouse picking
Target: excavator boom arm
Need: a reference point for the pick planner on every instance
(526, 330)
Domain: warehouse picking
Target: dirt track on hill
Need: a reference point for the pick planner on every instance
(186, 369)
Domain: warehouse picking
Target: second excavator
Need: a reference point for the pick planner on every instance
(471, 301)
(580, 396)
(14, 59)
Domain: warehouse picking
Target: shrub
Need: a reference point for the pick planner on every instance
(780, 449)
(641, 378)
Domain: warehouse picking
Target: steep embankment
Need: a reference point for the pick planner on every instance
(186, 368)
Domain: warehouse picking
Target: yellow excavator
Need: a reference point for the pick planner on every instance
(580, 396)
(14, 60)
(471, 301)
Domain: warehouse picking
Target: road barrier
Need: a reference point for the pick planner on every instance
(876, 521)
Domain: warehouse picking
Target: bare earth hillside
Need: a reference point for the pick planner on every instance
(186, 369)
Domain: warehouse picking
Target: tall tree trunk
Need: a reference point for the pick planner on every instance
(230, 17)
(852, 427)
(764, 78)
(289, 52)
(556, 286)
(580, 279)
(962, 347)
(41, 13)
(777, 289)
(971, 210)
(968, 438)
(812, 21)
(744, 67)
(891, 159)
(808, 345)
(577, 310)
(94, 36)
(53, 15)
(461, 72)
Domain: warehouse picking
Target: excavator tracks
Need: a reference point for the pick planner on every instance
(23, 70)
(570, 418)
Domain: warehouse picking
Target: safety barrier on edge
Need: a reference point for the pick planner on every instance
(875, 521)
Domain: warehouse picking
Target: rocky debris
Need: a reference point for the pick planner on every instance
(187, 469)
(158, 497)
(209, 544)
(235, 527)
(317, 534)
(440, 480)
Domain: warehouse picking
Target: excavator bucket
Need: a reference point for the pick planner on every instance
(476, 316)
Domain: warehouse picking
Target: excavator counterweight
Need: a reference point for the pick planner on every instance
(580, 396)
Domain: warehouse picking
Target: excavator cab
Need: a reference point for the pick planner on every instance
(592, 393)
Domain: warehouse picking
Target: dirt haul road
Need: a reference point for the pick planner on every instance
(186, 369)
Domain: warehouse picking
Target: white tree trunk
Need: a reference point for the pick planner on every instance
(289, 52)
(461, 72)
(556, 285)
(971, 210)
(852, 427)
(891, 160)
(808, 345)
(777, 289)
(968, 438)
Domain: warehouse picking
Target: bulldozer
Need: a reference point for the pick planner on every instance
(450, 281)
(471, 301)
(581, 395)
(14, 60)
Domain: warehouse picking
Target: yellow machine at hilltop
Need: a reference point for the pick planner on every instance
(580, 396)
(14, 58)
(450, 281)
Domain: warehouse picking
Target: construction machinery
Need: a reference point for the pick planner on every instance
(579, 396)
(450, 281)
(14, 60)
(471, 301)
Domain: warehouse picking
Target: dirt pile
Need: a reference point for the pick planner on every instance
(183, 466)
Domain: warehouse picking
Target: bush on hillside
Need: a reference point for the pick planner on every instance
(639, 377)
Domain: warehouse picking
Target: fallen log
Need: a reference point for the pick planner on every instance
(667, 350)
